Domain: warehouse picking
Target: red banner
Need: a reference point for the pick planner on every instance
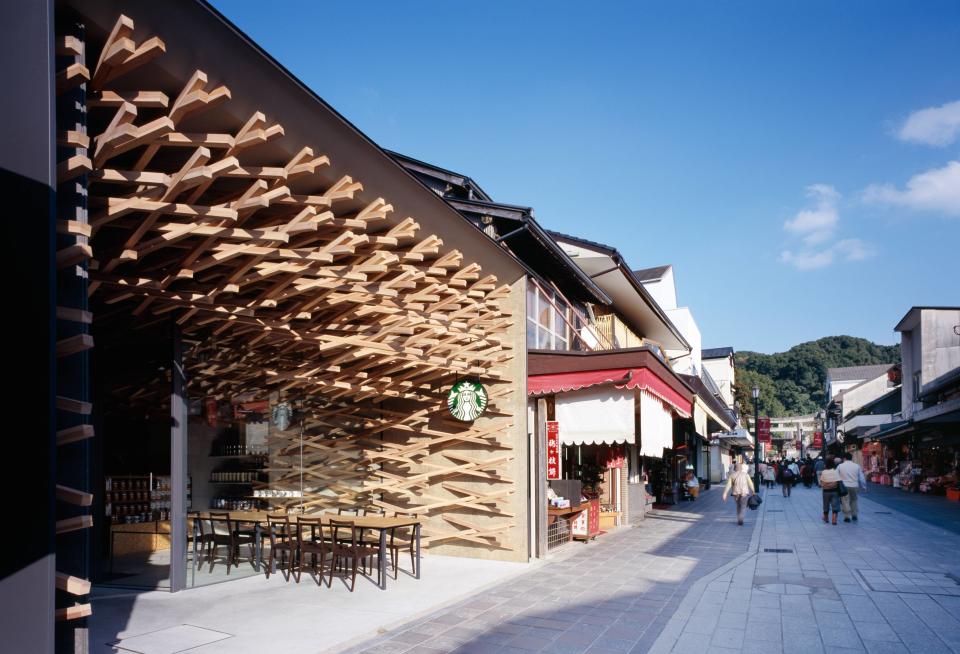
(553, 449)
(817, 440)
(763, 430)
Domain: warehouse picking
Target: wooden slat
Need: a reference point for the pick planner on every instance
(75, 523)
(74, 315)
(74, 406)
(71, 77)
(73, 496)
(72, 585)
(74, 434)
(73, 167)
(73, 612)
(73, 254)
(140, 99)
(74, 344)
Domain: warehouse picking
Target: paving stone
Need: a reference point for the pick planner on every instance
(884, 647)
(727, 637)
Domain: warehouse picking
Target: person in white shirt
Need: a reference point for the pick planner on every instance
(852, 477)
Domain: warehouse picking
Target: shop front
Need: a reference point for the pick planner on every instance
(615, 426)
(262, 313)
(916, 456)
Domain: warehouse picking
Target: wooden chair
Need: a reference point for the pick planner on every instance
(198, 535)
(359, 512)
(221, 533)
(403, 541)
(350, 548)
(311, 541)
(282, 542)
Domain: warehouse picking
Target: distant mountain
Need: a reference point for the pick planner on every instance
(792, 382)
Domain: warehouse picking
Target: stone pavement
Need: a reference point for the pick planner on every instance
(932, 509)
(689, 580)
(615, 594)
(888, 583)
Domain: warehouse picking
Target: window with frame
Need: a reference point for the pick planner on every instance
(547, 320)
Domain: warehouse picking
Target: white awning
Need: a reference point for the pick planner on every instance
(596, 415)
(656, 426)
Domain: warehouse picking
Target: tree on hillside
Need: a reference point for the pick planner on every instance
(799, 374)
(769, 403)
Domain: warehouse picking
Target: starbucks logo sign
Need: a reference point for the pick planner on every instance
(467, 400)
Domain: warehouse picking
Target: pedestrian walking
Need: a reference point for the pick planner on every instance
(851, 474)
(740, 485)
(769, 475)
(787, 481)
(818, 466)
(807, 473)
(829, 481)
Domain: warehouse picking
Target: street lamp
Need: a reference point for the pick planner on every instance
(756, 437)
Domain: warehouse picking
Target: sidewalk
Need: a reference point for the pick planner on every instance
(932, 509)
(615, 594)
(888, 583)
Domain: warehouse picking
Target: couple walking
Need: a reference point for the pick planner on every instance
(841, 483)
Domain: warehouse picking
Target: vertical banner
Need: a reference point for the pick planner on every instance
(763, 430)
(553, 449)
(818, 440)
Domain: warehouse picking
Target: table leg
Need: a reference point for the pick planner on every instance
(257, 546)
(383, 559)
(416, 535)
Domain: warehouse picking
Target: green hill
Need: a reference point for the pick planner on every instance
(792, 382)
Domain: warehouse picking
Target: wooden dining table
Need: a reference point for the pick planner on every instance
(381, 524)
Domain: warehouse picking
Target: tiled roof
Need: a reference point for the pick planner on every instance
(651, 274)
(858, 372)
(716, 352)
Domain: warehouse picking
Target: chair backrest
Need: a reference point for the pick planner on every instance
(375, 511)
(220, 524)
(315, 526)
(346, 525)
(349, 511)
(278, 528)
(196, 523)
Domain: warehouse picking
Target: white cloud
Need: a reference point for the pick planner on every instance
(807, 260)
(848, 249)
(937, 126)
(852, 249)
(818, 224)
(934, 190)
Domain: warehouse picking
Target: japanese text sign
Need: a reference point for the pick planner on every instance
(553, 449)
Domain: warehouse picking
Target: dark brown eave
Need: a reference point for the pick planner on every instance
(552, 362)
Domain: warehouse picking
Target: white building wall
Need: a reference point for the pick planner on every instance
(664, 290)
(683, 362)
(723, 373)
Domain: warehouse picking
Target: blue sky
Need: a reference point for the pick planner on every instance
(797, 163)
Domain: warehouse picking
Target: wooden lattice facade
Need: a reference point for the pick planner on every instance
(291, 281)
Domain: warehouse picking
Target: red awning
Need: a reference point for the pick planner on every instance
(642, 378)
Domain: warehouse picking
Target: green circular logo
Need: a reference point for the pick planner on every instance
(467, 400)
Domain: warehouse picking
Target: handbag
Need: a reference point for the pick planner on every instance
(754, 501)
(842, 489)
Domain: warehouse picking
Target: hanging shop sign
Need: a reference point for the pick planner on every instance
(763, 430)
(553, 449)
(817, 440)
(467, 400)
